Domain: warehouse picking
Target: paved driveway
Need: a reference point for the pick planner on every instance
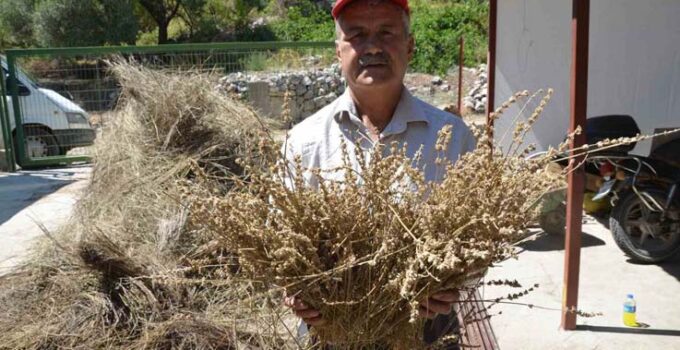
(606, 276)
(31, 197)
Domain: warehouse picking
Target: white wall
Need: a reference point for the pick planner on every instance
(634, 61)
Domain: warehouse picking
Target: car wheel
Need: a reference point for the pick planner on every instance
(39, 143)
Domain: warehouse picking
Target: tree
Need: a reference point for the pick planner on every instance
(16, 27)
(162, 11)
(84, 23)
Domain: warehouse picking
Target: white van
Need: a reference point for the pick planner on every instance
(53, 124)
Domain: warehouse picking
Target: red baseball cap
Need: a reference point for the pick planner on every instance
(340, 4)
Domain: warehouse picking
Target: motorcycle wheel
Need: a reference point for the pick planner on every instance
(638, 231)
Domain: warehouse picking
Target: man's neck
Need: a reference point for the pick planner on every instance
(376, 107)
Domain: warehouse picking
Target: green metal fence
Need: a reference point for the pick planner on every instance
(6, 144)
(60, 96)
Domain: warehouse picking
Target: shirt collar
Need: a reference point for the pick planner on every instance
(408, 111)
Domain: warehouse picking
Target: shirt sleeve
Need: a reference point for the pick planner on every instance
(470, 141)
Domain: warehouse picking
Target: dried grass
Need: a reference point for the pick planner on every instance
(126, 272)
(366, 250)
(185, 177)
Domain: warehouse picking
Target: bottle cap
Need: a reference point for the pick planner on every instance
(629, 296)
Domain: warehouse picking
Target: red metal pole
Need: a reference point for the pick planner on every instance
(576, 178)
(491, 64)
(461, 62)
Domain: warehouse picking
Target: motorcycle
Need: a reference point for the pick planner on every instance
(644, 192)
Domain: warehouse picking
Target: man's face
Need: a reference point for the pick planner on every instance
(373, 45)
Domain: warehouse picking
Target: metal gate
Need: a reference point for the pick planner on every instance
(6, 136)
(59, 96)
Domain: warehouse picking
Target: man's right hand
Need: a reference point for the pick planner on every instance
(311, 316)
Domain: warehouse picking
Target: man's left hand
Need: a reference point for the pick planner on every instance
(438, 303)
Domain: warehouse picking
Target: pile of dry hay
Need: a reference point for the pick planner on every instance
(365, 251)
(126, 272)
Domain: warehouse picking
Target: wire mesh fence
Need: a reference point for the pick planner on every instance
(62, 96)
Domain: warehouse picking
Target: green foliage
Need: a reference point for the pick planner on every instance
(84, 23)
(255, 62)
(437, 25)
(149, 38)
(221, 20)
(437, 29)
(15, 23)
(305, 21)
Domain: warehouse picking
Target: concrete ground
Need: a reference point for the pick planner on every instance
(30, 198)
(606, 276)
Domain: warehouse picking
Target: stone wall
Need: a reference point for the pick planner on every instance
(476, 98)
(309, 90)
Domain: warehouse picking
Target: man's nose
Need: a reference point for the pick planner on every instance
(372, 46)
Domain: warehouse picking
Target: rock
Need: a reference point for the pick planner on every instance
(437, 81)
(310, 89)
(308, 106)
(445, 88)
(319, 102)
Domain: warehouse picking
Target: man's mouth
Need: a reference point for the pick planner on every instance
(372, 61)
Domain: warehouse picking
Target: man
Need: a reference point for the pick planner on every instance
(374, 46)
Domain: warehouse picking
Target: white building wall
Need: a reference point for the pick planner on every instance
(634, 62)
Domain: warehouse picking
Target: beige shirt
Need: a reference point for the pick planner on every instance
(317, 140)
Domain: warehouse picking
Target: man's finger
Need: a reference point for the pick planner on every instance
(446, 296)
(425, 313)
(315, 321)
(307, 313)
(295, 303)
(299, 304)
(289, 301)
(437, 306)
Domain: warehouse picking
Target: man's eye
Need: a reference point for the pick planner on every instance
(357, 35)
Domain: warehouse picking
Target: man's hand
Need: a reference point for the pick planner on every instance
(438, 303)
(311, 316)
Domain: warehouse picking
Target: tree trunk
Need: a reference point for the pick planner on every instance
(162, 33)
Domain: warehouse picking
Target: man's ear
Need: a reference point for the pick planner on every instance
(411, 46)
(337, 51)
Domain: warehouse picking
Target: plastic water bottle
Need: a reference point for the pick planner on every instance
(629, 318)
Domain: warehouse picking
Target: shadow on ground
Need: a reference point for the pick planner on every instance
(20, 190)
(626, 330)
(671, 266)
(549, 242)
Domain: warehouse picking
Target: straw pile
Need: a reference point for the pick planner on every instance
(365, 251)
(127, 272)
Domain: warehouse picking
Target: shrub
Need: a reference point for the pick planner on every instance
(437, 29)
(305, 21)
